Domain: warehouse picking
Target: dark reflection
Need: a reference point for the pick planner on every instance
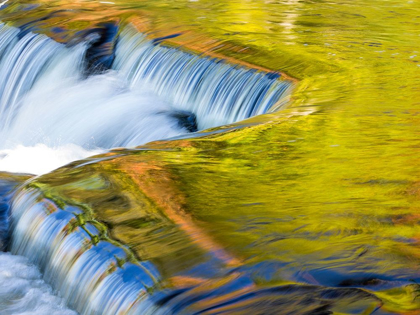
(101, 52)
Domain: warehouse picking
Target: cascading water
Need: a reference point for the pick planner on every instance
(70, 110)
(151, 92)
(93, 276)
(66, 117)
(22, 290)
(215, 92)
(96, 275)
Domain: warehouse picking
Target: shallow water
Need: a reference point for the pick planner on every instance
(325, 192)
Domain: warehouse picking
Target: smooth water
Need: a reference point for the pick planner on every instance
(323, 195)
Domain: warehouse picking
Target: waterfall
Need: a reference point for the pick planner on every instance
(216, 92)
(94, 275)
(51, 108)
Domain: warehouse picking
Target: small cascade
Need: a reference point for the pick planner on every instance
(103, 90)
(22, 61)
(217, 92)
(22, 289)
(43, 88)
(94, 274)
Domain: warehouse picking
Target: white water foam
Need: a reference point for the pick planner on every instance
(41, 159)
(23, 292)
(50, 115)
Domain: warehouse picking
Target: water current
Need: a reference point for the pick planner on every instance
(285, 175)
(149, 93)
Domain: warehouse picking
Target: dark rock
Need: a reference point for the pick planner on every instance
(186, 119)
(101, 52)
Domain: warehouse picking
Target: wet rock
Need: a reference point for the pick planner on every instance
(101, 52)
(186, 120)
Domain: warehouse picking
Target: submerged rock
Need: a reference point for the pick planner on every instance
(186, 119)
(101, 52)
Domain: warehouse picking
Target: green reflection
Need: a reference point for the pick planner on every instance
(329, 188)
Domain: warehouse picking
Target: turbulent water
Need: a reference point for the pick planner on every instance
(149, 92)
(23, 291)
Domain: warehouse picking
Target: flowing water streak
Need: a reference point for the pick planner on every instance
(218, 93)
(3, 3)
(18, 72)
(92, 273)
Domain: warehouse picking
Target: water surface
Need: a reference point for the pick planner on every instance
(325, 192)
